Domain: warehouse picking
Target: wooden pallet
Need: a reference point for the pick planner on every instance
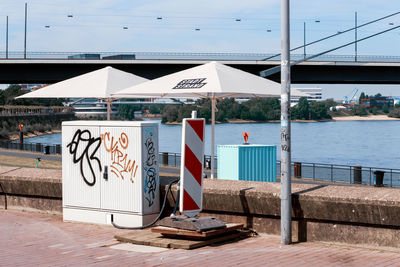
(149, 238)
(188, 234)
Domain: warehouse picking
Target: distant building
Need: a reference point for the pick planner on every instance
(396, 100)
(138, 114)
(378, 102)
(32, 87)
(121, 57)
(85, 56)
(313, 95)
(90, 107)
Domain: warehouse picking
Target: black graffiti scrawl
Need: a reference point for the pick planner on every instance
(83, 141)
(149, 166)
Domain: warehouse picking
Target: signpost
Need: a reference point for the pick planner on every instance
(192, 166)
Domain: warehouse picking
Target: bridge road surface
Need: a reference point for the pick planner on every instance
(41, 239)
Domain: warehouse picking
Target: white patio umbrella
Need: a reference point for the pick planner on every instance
(212, 80)
(98, 84)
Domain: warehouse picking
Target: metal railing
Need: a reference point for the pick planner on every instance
(346, 174)
(334, 173)
(193, 56)
(32, 147)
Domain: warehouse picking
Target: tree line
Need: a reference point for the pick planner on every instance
(255, 109)
(7, 97)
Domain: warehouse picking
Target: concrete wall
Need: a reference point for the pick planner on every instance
(349, 214)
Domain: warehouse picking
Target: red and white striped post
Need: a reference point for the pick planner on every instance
(191, 191)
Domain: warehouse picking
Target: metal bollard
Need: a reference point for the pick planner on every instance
(164, 158)
(297, 169)
(357, 174)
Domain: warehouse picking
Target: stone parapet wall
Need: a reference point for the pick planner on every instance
(349, 214)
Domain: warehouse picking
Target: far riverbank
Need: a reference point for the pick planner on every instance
(14, 137)
(339, 118)
(365, 118)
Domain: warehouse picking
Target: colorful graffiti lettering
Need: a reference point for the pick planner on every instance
(120, 162)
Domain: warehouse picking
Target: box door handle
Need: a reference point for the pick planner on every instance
(105, 174)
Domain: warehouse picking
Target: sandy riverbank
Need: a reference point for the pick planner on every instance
(365, 118)
(343, 118)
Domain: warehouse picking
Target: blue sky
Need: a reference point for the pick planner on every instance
(98, 26)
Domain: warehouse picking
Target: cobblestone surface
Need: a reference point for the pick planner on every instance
(38, 239)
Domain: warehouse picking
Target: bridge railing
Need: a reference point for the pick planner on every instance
(188, 56)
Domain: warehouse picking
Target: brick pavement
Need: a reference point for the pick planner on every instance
(38, 239)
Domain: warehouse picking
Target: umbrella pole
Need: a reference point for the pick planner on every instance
(108, 109)
(213, 103)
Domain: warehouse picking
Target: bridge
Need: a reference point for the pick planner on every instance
(329, 69)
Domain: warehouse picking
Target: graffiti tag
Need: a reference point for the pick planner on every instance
(120, 162)
(150, 185)
(83, 139)
(150, 180)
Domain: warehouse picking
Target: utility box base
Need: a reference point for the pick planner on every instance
(110, 168)
(247, 162)
(104, 217)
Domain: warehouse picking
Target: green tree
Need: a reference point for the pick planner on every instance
(395, 113)
(127, 112)
(302, 110)
(362, 96)
(319, 110)
(170, 114)
(385, 109)
(155, 108)
(360, 111)
(7, 97)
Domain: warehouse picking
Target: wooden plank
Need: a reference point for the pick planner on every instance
(168, 231)
(192, 244)
(146, 237)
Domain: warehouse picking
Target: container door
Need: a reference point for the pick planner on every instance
(151, 180)
(121, 163)
(81, 168)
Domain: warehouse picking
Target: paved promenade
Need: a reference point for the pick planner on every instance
(38, 239)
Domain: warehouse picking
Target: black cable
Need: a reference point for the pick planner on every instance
(150, 224)
(176, 203)
(336, 34)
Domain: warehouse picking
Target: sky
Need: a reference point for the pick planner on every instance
(234, 26)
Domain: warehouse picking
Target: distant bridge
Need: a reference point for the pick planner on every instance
(329, 69)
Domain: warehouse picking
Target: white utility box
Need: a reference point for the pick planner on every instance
(110, 167)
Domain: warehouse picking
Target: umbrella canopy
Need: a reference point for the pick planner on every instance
(212, 80)
(96, 84)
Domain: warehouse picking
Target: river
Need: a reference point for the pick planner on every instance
(364, 143)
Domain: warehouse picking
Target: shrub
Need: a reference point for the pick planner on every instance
(395, 113)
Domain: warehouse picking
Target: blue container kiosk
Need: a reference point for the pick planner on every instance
(247, 162)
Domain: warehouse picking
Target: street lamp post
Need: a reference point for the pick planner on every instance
(286, 187)
(26, 15)
(304, 45)
(7, 37)
(355, 36)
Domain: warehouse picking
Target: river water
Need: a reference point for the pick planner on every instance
(364, 143)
